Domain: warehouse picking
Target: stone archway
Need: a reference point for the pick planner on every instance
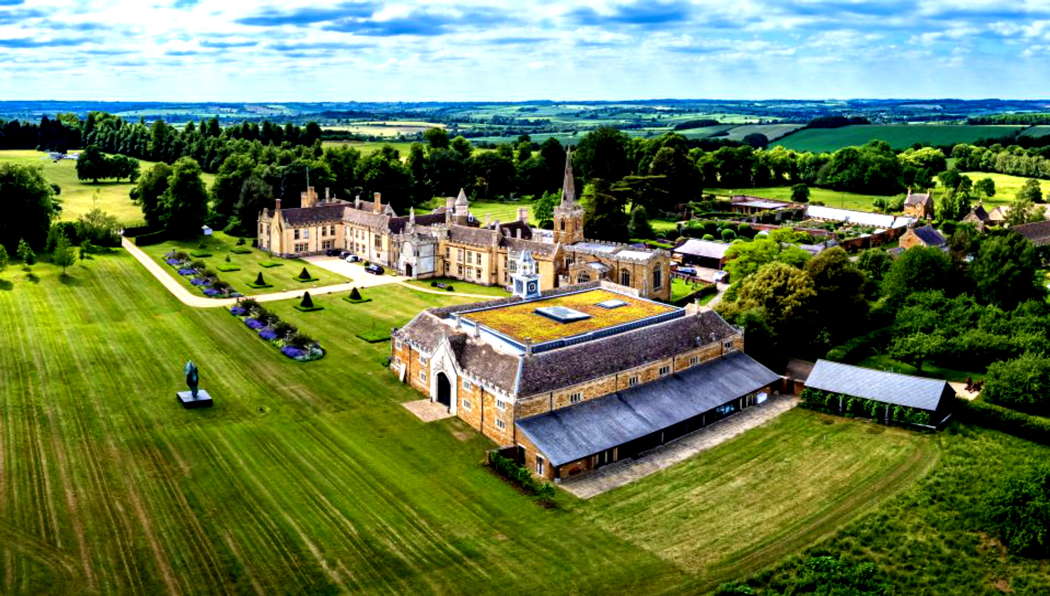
(444, 390)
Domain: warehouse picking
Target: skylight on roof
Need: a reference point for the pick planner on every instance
(562, 314)
(613, 303)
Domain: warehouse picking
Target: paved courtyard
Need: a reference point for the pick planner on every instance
(627, 471)
(354, 272)
(426, 410)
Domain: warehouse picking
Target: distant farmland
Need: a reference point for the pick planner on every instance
(899, 136)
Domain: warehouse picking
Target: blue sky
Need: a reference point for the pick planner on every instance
(233, 50)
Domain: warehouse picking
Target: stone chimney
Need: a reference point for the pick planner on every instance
(377, 205)
(309, 198)
(523, 214)
(327, 194)
(277, 207)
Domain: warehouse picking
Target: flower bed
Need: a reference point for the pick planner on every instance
(187, 271)
(293, 344)
(209, 283)
(199, 281)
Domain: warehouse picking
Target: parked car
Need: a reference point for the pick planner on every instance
(332, 252)
(344, 253)
(375, 269)
(686, 270)
(722, 277)
(352, 258)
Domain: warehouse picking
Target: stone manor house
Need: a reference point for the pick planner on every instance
(451, 242)
(573, 378)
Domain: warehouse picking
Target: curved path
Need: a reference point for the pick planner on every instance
(189, 298)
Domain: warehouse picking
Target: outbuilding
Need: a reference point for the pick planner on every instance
(702, 253)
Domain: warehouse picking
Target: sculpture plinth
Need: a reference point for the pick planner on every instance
(194, 398)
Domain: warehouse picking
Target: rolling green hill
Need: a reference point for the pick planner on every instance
(899, 136)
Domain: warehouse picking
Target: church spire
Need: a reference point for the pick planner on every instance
(568, 188)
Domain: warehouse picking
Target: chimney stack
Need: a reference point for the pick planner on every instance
(327, 194)
(278, 207)
(523, 214)
(377, 205)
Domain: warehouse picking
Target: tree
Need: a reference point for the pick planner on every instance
(950, 178)
(985, 186)
(98, 227)
(1019, 510)
(185, 202)
(954, 205)
(25, 253)
(436, 137)
(4, 259)
(63, 255)
(226, 189)
(839, 285)
(29, 204)
(756, 140)
(602, 153)
(91, 164)
(639, 226)
(874, 262)
(1022, 383)
(916, 348)
(917, 269)
(800, 193)
(1024, 210)
(255, 195)
(307, 301)
(1030, 191)
(681, 177)
(148, 191)
(745, 258)
(604, 215)
(543, 210)
(1004, 270)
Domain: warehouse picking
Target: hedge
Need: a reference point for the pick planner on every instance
(989, 415)
(520, 476)
(849, 405)
(150, 238)
(859, 347)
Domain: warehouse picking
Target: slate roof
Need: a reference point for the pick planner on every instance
(471, 235)
(577, 363)
(882, 386)
(979, 213)
(1037, 232)
(533, 246)
(397, 224)
(313, 215)
(703, 248)
(366, 218)
(371, 205)
(511, 228)
(930, 236)
(917, 198)
(593, 426)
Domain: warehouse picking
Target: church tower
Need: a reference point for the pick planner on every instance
(568, 215)
(526, 278)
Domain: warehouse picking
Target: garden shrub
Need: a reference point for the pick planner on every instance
(305, 275)
(1019, 510)
(150, 238)
(850, 406)
(521, 477)
(284, 329)
(307, 301)
(982, 413)
(356, 295)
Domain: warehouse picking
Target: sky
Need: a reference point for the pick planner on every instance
(432, 50)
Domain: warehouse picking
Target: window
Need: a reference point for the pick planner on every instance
(459, 255)
(295, 235)
(423, 376)
(501, 404)
(632, 381)
(728, 345)
(459, 270)
(665, 370)
(397, 344)
(693, 360)
(379, 242)
(625, 277)
(539, 465)
(500, 424)
(423, 360)
(466, 385)
(576, 398)
(465, 403)
(306, 234)
(658, 277)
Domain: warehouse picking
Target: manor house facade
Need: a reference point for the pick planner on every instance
(451, 242)
(577, 377)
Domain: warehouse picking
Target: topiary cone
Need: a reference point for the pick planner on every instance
(354, 294)
(304, 274)
(259, 281)
(307, 302)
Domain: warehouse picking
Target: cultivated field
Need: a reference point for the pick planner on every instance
(772, 131)
(899, 136)
(1040, 130)
(385, 129)
(312, 477)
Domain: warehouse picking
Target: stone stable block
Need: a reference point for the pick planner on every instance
(186, 399)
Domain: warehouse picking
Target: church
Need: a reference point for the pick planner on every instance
(451, 242)
(574, 378)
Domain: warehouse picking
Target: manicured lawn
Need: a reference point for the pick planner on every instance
(899, 136)
(219, 245)
(504, 211)
(831, 198)
(1006, 187)
(78, 197)
(884, 362)
(460, 286)
(757, 498)
(312, 477)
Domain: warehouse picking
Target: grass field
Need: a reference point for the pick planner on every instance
(219, 245)
(312, 477)
(366, 147)
(460, 286)
(899, 136)
(496, 210)
(1006, 186)
(772, 131)
(831, 198)
(77, 197)
(1040, 130)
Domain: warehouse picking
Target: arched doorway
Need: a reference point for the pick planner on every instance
(444, 390)
(408, 269)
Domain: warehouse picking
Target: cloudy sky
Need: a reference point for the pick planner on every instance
(234, 50)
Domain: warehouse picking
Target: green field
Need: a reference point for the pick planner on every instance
(366, 147)
(899, 136)
(1006, 186)
(460, 286)
(1040, 130)
(312, 477)
(219, 245)
(503, 211)
(831, 198)
(772, 131)
(78, 197)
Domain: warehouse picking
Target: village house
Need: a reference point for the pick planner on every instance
(979, 217)
(574, 378)
(451, 242)
(919, 205)
(926, 236)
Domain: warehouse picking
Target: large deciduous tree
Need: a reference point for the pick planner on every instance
(29, 204)
(917, 269)
(605, 217)
(1004, 270)
(148, 191)
(1022, 383)
(840, 293)
(602, 153)
(185, 202)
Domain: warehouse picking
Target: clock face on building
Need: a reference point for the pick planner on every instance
(532, 287)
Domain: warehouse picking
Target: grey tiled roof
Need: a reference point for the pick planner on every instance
(536, 248)
(376, 221)
(471, 235)
(930, 236)
(886, 387)
(593, 426)
(397, 224)
(1038, 232)
(549, 371)
(313, 215)
(703, 248)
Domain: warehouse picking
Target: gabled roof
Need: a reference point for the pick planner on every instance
(877, 385)
(471, 235)
(304, 216)
(593, 426)
(1037, 232)
(977, 213)
(930, 236)
(917, 198)
(695, 247)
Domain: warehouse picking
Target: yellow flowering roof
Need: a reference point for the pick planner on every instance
(522, 323)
